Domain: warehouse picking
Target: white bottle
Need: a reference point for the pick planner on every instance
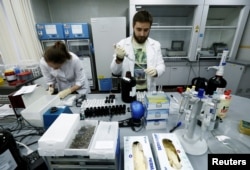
(223, 106)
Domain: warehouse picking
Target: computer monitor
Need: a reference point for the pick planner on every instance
(177, 45)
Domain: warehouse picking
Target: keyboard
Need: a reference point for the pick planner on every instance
(4, 99)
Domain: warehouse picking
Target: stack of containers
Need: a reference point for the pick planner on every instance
(157, 110)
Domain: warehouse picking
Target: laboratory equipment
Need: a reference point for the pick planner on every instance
(219, 48)
(20, 102)
(223, 106)
(209, 114)
(137, 119)
(217, 81)
(157, 106)
(34, 112)
(176, 49)
(52, 113)
(128, 88)
(10, 154)
(137, 110)
(49, 33)
(175, 127)
(191, 142)
(106, 32)
(78, 40)
(101, 108)
(199, 82)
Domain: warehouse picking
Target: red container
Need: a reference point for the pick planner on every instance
(24, 76)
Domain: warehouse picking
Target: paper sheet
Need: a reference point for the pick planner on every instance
(25, 89)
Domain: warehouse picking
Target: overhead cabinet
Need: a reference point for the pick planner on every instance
(222, 26)
(188, 28)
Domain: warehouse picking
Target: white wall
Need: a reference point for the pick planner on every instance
(244, 49)
(78, 10)
(41, 11)
(83, 10)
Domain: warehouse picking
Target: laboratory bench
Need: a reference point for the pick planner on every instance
(228, 127)
(9, 87)
(238, 111)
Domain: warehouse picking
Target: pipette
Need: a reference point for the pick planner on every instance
(176, 126)
(126, 55)
(174, 98)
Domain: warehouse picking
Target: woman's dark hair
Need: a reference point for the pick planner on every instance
(142, 16)
(57, 53)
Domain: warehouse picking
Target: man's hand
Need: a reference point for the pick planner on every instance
(62, 94)
(51, 90)
(151, 71)
(120, 52)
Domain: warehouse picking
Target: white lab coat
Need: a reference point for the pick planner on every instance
(154, 59)
(71, 73)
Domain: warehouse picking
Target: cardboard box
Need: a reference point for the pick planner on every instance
(130, 142)
(161, 141)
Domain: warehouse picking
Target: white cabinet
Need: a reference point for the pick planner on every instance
(164, 78)
(175, 74)
(206, 25)
(179, 75)
(106, 32)
(175, 24)
(182, 73)
(236, 74)
(222, 26)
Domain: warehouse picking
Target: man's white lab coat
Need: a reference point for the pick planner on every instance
(154, 59)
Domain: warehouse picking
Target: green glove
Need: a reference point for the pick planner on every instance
(62, 94)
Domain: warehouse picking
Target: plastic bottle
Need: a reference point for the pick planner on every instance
(128, 88)
(223, 106)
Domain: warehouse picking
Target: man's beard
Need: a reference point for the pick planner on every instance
(140, 40)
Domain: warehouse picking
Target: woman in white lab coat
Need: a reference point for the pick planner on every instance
(63, 70)
(139, 54)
